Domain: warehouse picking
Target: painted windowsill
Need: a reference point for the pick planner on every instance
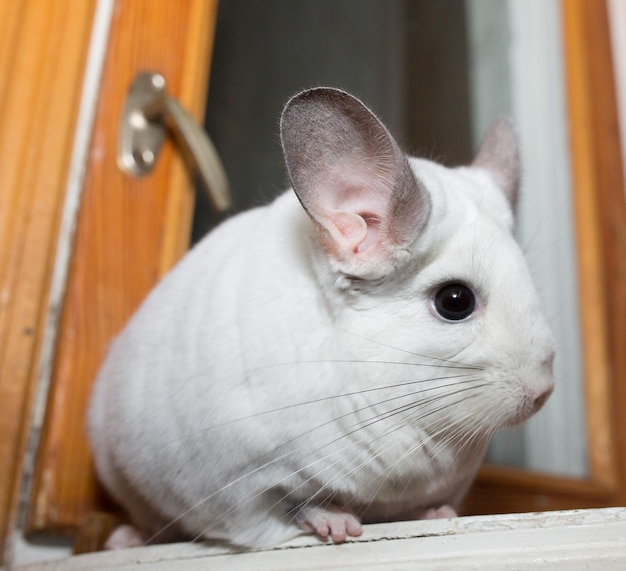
(568, 540)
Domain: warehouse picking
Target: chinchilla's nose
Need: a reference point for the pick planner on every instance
(545, 389)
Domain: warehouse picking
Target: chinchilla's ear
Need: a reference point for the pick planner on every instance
(351, 178)
(499, 154)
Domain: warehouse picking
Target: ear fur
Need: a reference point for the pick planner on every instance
(351, 177)
(499, 154)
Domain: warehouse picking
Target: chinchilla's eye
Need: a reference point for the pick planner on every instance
(455, 302)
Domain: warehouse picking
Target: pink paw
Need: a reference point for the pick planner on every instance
(442, 512)
(124, 536)
(333, 522)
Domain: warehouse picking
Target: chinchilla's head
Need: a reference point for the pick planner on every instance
(423, 256)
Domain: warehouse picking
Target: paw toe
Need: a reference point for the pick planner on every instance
(442, 512)
(328, 522)
(125, 536)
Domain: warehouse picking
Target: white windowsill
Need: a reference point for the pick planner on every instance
(569, 540)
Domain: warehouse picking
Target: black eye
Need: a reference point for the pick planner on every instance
(455, 302)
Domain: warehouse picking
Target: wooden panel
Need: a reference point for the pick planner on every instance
(594, 116)
(500, 489)
(601, 244)
(129, 232)
(581, 24)
(43, 46)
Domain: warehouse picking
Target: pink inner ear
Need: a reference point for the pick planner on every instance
(352, 179)
(348, 229)
(354, 232)
(358, 186)
(354, 211)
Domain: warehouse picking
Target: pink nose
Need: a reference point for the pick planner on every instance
(541, 399)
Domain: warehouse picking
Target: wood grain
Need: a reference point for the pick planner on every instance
(594, 114)
(43, 47)
(585, 25)
(600, 219)
(130, 231)
(499, 489)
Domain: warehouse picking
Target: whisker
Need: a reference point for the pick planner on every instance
(342, 435)
(387, 433)
(370, 459)
(283, 444)
(447, 363)
(410, 451)
(216, 492)
(409, 352)
(460, 433)
(435, 398)
(320, 400)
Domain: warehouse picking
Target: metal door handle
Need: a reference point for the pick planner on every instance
(148, 114)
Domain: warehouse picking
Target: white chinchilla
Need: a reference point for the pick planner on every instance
(342, 355)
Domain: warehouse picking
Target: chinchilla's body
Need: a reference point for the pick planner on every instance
(343, 354)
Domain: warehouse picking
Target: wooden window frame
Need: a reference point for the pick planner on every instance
(43, 49)
(43, 57)
(130, 231)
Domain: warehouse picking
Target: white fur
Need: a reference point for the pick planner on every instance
(197, 422)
